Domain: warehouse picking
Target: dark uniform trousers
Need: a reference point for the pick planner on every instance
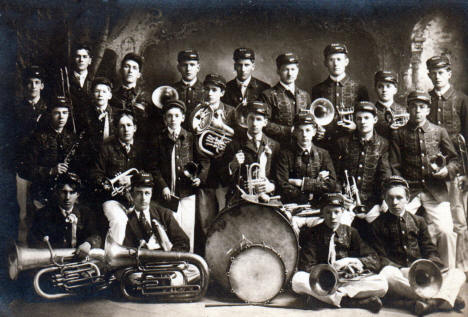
(295, 163)
(284, 107)
(345, 93)
(192, 96)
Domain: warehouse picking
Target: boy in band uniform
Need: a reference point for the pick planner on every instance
(386, 87)
(169, 155)
(80, 80)
(414, 152)
(400, 238)
(304, 172)
(244, 87)
(285, 99)
(341, 90)
(341, 247)
(189, 87)
(449, 109)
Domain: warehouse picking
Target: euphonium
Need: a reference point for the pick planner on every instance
(152, 274)
(163, 94)
(323, 279)
(58, 271)
(109, 184)
(425, 278)
(396, 119)
(214, 134)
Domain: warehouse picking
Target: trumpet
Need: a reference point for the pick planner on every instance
(109, 184)
(214, 134)
(396, 119)
(425, 278)
(70, 278)
(163, 94)
(149, 274)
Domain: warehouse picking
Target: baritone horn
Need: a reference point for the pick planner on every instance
(163, 94)
(163, 275)
(425, 278)
(59, 272)
(213, 134)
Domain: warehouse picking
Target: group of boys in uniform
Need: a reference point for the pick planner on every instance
(134, 171)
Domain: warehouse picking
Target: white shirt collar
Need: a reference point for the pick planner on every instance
(176, 131)
(290, 87)
(81, 76)
(190, 83)
(443, 90)
(125, 144)
(258, 137)
(34, 101)
(386, 104)
(245, 82)
(130, 86)
(305, 149)
(215, 106)
(338, 78)
(101, 109)
(65, 212)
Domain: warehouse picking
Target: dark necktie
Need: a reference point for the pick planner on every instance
(145, 226)
(306, 157)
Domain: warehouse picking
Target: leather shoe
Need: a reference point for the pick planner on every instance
(459, 304)
(422, 308)
(373, 303)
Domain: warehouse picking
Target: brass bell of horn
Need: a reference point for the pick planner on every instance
(323, 279)
(425, 278)
(323, 111)
(162, 94)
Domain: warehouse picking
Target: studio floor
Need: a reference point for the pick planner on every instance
(211, 305)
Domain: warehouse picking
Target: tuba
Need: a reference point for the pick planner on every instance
(58, 271)
(109, 184)
(396, 119)
(162, 94)
(214, 134)
(425, 278)
(152, 274)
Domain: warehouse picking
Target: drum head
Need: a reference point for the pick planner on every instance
(256, 274)
(249, 224)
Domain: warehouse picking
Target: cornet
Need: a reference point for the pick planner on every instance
(109, 184)
(163, 94)
(345, 112)
(149, 274)
(59, 271)
(214, 134)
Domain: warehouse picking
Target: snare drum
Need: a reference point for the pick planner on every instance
(256, 273)
(247, 224)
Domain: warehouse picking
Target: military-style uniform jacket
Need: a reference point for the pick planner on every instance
(252, 155)
(294, 163)
(411, 150)
(46, 149)
(233, 94)
(367, 162)
(160, 157)
(80, 96)
(284, 106)
(450, 111)
(315, 244)
(94, 126)
(348, 93)
(49, 221)
(135, 232)
(113, 159)
(383, 126)
(191, 96)
(28, 118)
(401, 240)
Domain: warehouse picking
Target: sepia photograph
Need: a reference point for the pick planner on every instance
(233, 158)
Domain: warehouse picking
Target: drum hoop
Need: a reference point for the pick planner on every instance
(244, 247)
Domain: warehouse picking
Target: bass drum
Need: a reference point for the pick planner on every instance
(246, 224)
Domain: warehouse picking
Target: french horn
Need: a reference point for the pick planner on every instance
(162, 275)
(60, 275)
(162, 94)
(214, 134)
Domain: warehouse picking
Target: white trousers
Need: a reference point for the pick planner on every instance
(440, 225)
(185, 216)
(116, 214)
(398, 284)
(373, 285)
(22, 196)
(457, 197)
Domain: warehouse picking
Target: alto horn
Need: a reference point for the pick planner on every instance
(109, 184)
(396, 119)
(322, 110)
(240, 115)
(214, 134)
(323, 279)
(425, 278)
(163, 94)
(153, 274)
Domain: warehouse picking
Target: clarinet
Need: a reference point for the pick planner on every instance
(71, 153)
